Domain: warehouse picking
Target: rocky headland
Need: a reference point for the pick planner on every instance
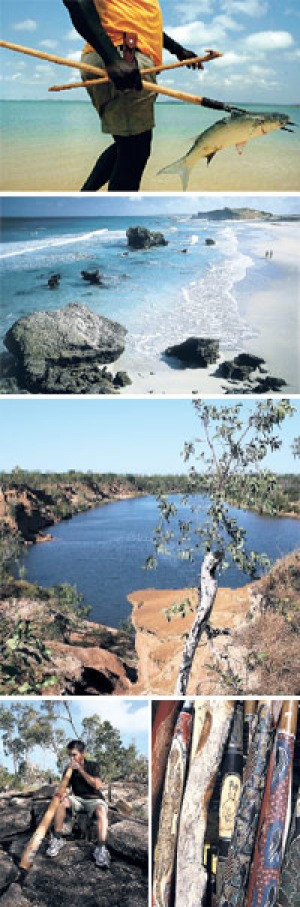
(72, 878)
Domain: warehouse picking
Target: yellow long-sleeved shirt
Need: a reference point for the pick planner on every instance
(140, 17)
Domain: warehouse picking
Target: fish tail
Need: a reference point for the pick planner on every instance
(181, 168)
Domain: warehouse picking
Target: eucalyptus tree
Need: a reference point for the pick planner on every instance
(227, 463)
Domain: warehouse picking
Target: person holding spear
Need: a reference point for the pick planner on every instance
(123, 36)
(86, 796)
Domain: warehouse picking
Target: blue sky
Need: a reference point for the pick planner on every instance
(53, 206)
(129, 716)
(110, 435)
(259, 40)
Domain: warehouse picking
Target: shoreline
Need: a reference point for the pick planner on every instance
(271, 313)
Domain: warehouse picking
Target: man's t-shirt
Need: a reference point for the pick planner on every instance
(80, 786)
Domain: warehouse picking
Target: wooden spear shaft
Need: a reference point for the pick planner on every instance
(210, 55)
(75, 64)
(40, 832)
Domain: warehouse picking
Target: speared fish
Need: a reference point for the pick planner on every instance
(236, 130)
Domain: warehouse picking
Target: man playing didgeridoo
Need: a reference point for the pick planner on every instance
(85, 796)
(123, 36)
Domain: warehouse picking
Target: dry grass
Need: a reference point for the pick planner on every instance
(273, 639)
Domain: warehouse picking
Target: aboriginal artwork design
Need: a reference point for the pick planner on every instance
(269, 845)
(237, 865)
(232, 768)
(164, 856)
(162, 733)
(191, 876)
(289, 887)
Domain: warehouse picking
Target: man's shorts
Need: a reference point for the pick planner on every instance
(85, 804)
(122, 112)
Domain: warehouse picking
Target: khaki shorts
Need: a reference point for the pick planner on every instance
(85, 805)
(122, 112)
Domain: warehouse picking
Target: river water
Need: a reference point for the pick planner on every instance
(103, 552)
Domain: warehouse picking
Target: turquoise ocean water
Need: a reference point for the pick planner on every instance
(52, 145)
(160, 295)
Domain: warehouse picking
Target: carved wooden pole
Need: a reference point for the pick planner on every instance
(270, 841)
(232, 771)
(165, 850)
(289, 886)
(237, 866)
(191, 876)
(250, 707)
(207, 593)
(162, 732)
(39, 834)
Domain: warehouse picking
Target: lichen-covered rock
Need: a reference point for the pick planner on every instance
(141, 238)
(195, 352)
(60, 351)
(131, 840)
(13, 897)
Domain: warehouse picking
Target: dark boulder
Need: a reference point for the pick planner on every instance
(269, 385)
(141, 238)
(195, 352)
(93, 277)
(60, 351)
(239, 368)
(8, 871)
(210, 242)
(121, 379)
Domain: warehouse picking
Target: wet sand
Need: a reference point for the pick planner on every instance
(56, 153)
(272, 312)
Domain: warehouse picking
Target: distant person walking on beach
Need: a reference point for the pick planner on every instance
(123, 36)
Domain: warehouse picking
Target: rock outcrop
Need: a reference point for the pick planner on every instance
(195, 352)
(62, 351)
(239, 663)
(247, 371)
(73, 878)
(141, 238)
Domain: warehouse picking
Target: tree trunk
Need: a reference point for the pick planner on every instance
(207, 593)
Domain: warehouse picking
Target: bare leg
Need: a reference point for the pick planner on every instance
(101, 816)
(60, 814)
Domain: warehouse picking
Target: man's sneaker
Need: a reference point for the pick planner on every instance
(102, 857)
(54, 847)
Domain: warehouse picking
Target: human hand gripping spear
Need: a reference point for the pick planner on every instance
(148, 86)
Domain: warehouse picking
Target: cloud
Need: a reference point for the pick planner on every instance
(255, 8)
(193, 8)
(26, 25)
(76, 55)
(72, 35)
(49, 44)
(129, 717)
(269, 40)
(198, 35)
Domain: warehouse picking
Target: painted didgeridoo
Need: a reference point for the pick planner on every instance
(165, 850)
(191, 875)
(162, 733)
(269, 846)
(40, 832)
(250, 707)
(289, 886)
(232, 774)
(237, 867)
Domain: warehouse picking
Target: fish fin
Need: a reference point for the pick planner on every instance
(209, 157)
(181, 168)
(240, 147)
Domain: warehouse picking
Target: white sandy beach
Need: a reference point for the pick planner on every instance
(273, 314)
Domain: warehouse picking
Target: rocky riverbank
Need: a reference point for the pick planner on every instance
(73, 878)
(248, 660)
